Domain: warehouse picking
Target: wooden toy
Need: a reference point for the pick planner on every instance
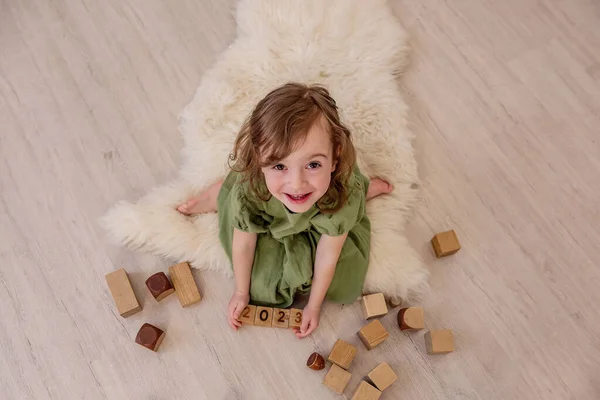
(281, 318)
(439, 342)
(150, 337)
(445, 243)
(122, 293)
(411, 318)
(366, 392)
(248, 314)
(159, 285)
(295, 318)
(395, 303)
(342, 354)
(315, 361)
(264, 316)
(374, 305)
(337, 379)
(382, 376)
(184, 283)
(373, 334)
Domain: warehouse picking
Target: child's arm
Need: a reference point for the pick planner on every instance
(244, 245)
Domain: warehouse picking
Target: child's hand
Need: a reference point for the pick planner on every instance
(238, 302)
(310, 321)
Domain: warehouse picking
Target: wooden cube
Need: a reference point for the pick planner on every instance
(445, 243)
(342, 354)
(150, 337)
(373, 334)
(337, 379)
(295, 318)
(374, 305)
(316, 362)
(366, 392)
(184, 283)
(159, 285)
(122, 293)
(264, 316)
(382, 376)
(248, 314)
(439, 342)
(281, 318)
(411, 318)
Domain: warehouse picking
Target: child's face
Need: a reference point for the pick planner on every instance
(303, 177)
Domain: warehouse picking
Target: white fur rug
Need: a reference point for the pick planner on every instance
(356, 48)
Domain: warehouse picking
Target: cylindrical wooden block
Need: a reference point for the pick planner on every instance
(159, 285)
(411, 318)
(316, 362)
(150, 337)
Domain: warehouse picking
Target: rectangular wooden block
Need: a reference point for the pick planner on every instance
(373, 334)
(366, 392)
(122, 293)
(264, 316)
(439, 342)
(342, 354)
(281, 318)
(247, 316)
(337, 379)
(382, 376)
(445, 243)
(295, 318)
(184, 284)
(374, 305)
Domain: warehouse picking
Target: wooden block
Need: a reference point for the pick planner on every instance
(382, 376)
(366, 392)
(411, 318)
(159, 285)
(122, 293)
(374, 305)
(439, 342)
(342, 354)
(184, 283)
(264, 316)
(281, 318)
(150, 337)
(295, 318)
(337, 379)
(316, 362)
(445, 243)
(248, 314)
(373, 334)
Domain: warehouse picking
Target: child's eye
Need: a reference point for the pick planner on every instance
(279, 167)
(314, 165)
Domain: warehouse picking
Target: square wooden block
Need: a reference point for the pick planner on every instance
(248, 314)
(184, 283)
(295, 318)
(382, 376)
(281, 318)
(122, 293)
(373, 334)
(411, 318)
(342, 354)
(264, 316)
(445, 243)
(150, 337)
(374, 305)
(439, 342)
(337, 379)
(366, 392)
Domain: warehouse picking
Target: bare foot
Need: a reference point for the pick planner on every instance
(205, 202)
(378, 186)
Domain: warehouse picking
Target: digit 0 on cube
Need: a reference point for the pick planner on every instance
(264, 316)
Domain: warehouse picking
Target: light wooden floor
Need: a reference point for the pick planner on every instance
(506, 97)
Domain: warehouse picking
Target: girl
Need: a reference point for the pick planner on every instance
(292, 210)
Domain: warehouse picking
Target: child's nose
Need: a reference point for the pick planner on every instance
(297, 179)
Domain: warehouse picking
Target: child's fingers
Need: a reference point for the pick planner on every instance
(238, 311)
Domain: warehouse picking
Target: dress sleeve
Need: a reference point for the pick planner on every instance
(246, 214)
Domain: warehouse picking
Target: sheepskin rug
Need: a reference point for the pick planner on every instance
(357, 49)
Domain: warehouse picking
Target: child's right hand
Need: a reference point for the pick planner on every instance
(238, 302)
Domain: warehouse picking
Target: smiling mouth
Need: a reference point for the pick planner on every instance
(298, 198)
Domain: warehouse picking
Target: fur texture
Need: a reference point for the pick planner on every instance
(356, 48)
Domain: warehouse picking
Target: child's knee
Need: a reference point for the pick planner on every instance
(346, 296)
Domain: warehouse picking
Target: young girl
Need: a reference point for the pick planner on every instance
(292, 210)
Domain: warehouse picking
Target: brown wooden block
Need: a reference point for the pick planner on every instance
(264, 316)
(159, 285)
(439, 342)
(184, 283)
(445, 243)
(411, 318)
(342, 354)
(382, 376)
(315, 361)
(366, 392)
(337, 379)
(150, 337)
(281, 318)
(122, 293)
(295, 318)
(374, 305)
(373, 334)
(248, 314)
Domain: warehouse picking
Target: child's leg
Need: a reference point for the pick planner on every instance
(378, 186)
(205, 202)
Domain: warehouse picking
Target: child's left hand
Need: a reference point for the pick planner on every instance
(310, 321)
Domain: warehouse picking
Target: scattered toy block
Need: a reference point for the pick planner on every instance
(439, 342)
(445, 243)
(337, 378)
(374, 305)
(184, 283)
(342, 354)
(281, 318)
(395, 303)
(411, 318)
(150, 337)
(382, 376)
(295, 318)
(248, 314)
(373, 334)
(122, 293)
(366, 392)
(159, 285)
(264, 316)
(316, 362)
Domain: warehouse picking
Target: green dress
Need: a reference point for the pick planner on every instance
(287, 242)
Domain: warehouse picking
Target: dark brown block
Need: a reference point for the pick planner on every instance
(150, 337)
(159, 285)
(315, 361)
